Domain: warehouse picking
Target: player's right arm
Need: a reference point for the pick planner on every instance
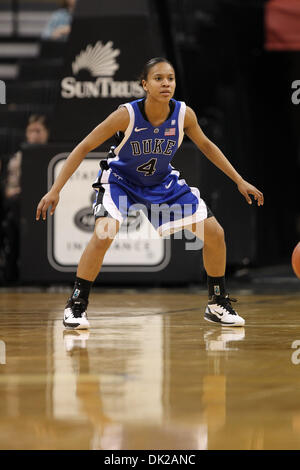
(116, 121)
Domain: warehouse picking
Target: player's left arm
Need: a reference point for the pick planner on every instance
(214, 154)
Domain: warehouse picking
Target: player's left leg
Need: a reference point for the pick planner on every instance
(219, 309)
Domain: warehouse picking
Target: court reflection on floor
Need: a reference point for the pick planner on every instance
(139, 381)
(149, 377)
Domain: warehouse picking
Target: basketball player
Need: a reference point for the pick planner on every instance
(138, 171)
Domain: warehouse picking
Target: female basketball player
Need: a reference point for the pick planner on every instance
(138, 171)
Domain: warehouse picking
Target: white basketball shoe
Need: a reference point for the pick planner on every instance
(219, 310)
(217, 339)
(75, 339)
(75, 315)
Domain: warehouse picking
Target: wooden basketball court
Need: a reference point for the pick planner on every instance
(151, 373)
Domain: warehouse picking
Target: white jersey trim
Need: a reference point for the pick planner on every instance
(179, 181)
(107, 201)
(129, 129)
(181, 116)
(177, 225)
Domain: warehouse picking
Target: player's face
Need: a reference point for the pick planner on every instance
(160, 83)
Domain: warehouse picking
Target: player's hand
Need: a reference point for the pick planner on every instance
(246, 189)
(49, 200)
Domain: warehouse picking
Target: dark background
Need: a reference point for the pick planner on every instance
(240, 90)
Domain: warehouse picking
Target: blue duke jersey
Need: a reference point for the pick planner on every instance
(143, 157)
(140, 173)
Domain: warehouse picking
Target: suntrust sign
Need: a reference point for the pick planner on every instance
(100, 88)
(100, 62)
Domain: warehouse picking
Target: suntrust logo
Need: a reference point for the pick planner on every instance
(100, 62)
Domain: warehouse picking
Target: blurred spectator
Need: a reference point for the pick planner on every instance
(37, 133)
(59, 25)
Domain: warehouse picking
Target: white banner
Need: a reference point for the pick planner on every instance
(137, 247)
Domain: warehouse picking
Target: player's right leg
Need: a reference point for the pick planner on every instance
(219, 309)
(90, 263)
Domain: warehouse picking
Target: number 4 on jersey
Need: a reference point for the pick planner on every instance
(148, 168)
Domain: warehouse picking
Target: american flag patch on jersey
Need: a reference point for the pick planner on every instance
(170, 131)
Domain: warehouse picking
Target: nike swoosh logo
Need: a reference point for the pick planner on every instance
(139, 129)
(215, 312)
(168, 185)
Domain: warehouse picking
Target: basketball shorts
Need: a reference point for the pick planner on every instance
(170, 206)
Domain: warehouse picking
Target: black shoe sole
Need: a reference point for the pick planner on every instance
(74, 326)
